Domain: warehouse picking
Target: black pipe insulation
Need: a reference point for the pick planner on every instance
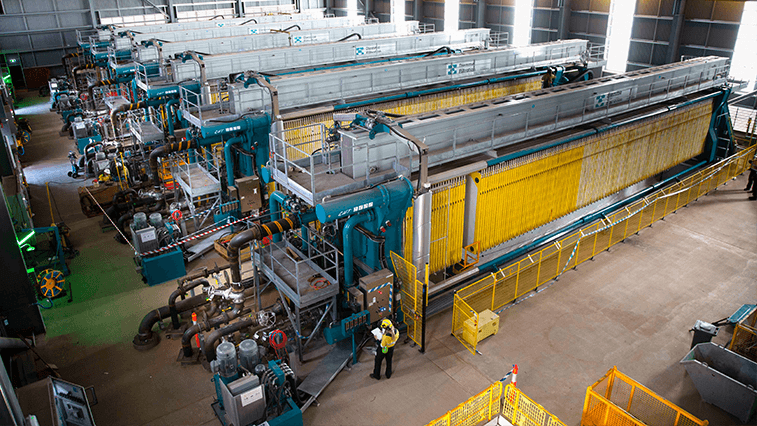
(121, 225)
(164, 150)
(182, 290)
(145, 338)
(255, 232)
(209, 346)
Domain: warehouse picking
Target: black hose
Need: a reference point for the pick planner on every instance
(359, 37)
(290, 27)
(121, 224)
(249, 20)
(443, 49)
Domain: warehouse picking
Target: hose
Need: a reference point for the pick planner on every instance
(255, 232)
(359, 37)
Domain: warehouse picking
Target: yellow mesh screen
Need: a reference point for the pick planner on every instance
(616, 399)
(411, 301)
(744, 341)
(521, 410)
(479, 408)
(525, 193)
(447, 211)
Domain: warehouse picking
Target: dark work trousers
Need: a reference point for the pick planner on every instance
(752, 178)
(380, 357)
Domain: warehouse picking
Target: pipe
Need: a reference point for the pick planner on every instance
(11, 343)
(290, 27)
(107, 82)
(223, 318)
(170, 115)
(275, 202)
(347, 243)
(204, 272)
(422, 232)
(164, 150)
(248, 21)
(79, 68)
(255, 232)
(181, 291)
(209, 346)
(229, 157)
(145, 338)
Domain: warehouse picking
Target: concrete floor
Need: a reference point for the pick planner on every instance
(632, 307)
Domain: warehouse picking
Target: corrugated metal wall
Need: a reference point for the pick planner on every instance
(39, 32)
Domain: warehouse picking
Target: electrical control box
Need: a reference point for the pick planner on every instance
(248, 191)
(244, 400)
(145, 239)
(378, 288)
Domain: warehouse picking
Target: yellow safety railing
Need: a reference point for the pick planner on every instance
(412, 301)
(519, 409)
(522, 194)
(515, 280)
(512, 404)
(744, 341)
(616, 399)
(482, 407)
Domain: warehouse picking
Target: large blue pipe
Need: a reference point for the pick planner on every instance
(229, 158)
(347, 243)
(275, 202)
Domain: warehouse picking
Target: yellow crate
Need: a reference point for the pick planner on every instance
(488, 325)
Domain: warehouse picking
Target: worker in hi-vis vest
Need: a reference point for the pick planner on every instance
(385, 348)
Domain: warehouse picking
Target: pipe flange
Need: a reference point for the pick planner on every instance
(143, 344)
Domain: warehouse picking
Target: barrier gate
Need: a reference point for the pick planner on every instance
(414, 299)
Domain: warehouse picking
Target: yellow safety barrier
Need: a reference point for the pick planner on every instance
(512, 404)
(521, 410)
(616, 399)
(744, 341)
(412, 301)
(482, 407)
(522, 194)
(515, 280)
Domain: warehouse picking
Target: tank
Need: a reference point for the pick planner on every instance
(140, 220)
(226, 355)
(248, 354)
(156, 220)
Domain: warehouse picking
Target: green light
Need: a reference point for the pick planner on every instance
(26, 238)
(30, 271)
(12, 61)
(7, 78)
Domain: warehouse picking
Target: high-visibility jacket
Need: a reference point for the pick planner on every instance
(390, 337)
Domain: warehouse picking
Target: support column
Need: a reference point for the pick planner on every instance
(171, 11)
(564, 27)
(418, 10)
(480, 13)
(675, 31)
(240, 9)
(469, 217)
(369, 8)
